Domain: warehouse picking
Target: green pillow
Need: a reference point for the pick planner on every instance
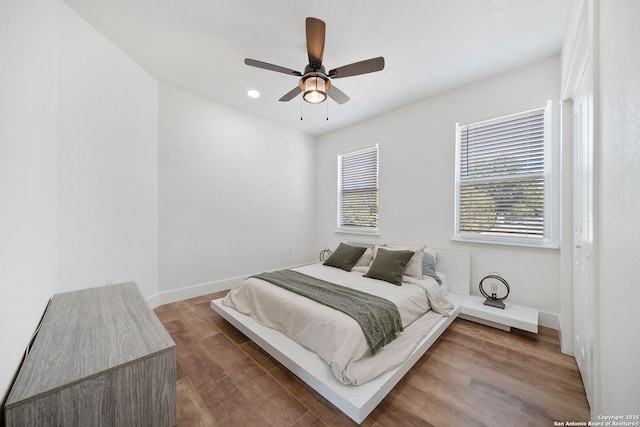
(389, 265)
(344, 257)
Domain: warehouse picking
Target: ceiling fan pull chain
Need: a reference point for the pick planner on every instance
(301, 103)
(327, 110)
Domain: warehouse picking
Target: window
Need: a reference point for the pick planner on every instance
(503, 179)
(358, 190)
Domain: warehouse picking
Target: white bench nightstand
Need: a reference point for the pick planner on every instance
(512, 316)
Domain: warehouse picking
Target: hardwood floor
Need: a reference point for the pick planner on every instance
(472, 376)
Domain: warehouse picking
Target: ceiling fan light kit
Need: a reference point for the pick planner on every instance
(315, 89)
(315, 83)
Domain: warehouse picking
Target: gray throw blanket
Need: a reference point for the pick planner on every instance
(379, 318)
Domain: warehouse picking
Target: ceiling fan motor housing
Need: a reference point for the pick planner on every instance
(309, 74)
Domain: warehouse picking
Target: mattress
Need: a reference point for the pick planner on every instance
(333, 335)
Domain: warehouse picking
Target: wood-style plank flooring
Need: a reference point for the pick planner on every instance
(472, 376)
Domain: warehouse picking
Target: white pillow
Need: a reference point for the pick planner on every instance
(365, 259)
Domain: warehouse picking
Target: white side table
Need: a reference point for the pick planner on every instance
(512, 316)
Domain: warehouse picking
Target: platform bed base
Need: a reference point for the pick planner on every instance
(357, 402)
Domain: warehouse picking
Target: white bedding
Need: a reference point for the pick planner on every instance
(333, 335)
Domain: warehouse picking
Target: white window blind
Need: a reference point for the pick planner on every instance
(502, 179)
(358, 190)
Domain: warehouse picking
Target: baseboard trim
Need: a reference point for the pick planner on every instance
(153, 301)
(550, 320)
(193, 291)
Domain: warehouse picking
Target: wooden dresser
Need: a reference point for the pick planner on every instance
(100, 358)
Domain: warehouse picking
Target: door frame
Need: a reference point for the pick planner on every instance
(580, 49)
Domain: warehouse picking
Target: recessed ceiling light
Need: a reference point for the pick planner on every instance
(253, 93)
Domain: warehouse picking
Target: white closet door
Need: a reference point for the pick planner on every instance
(583, 301)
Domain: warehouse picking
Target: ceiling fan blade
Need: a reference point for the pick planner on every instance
(337, 95)
(362, 67)
(315, 40)
(272, 67)
(291, 94)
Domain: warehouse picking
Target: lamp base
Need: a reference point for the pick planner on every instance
(494, 303)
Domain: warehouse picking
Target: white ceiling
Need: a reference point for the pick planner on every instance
(429, 46)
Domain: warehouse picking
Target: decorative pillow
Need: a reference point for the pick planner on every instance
(366, 257)
(414, 268)
(389, 265)
(344, 257)
(429, 266)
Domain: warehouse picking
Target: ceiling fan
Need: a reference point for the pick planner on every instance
(315, 82)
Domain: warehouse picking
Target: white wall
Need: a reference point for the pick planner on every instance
(78, 167)
(108, 163)
(79, 131)
(236, 192)
(417, 153)
(618, 163)
(28, 144)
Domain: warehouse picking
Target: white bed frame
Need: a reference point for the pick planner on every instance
(355, 401)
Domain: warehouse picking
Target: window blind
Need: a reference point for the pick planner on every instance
(358, 189)
(501, 179)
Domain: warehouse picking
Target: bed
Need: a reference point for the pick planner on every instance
(351, 378)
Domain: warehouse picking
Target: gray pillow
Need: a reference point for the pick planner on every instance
(429, 267)
(389, 265)
(344, 257)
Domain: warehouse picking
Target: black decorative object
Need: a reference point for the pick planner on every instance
(492, 299)
(324, 254)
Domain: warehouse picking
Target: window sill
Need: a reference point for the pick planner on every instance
(502, 242)
(375, 232)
